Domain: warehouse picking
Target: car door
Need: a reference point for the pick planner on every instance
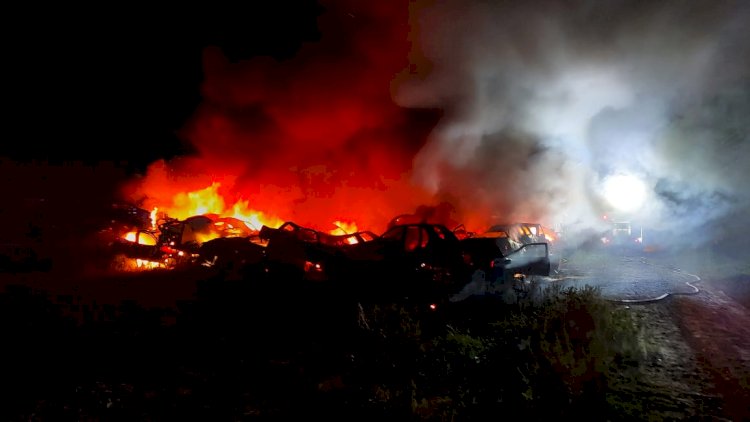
(529, 259)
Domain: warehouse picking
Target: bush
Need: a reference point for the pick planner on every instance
(551, 354)
(238, 352)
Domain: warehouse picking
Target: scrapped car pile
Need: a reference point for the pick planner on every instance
(409, 260)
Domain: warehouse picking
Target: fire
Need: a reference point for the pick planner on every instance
(343, 227)
(205, 237)
(210, 201)
(154, 217)
(203, 201)
(254, 220)
(142, 239)
(145, 264)
(263, 134)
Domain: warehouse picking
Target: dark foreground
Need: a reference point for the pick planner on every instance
(169, 345)
(239, 350)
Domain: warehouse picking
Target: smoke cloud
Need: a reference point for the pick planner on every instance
(544, 100)
(496, 110)
(314, 138)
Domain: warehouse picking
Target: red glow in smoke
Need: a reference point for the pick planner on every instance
(313, 139)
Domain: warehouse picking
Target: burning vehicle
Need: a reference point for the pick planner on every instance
(303, 253)
(413, 259)
(170, 242)
(417, 262)
(241, 257)
(124, 218)
(503, 260)
(523, 233)
(462, 233)
(519, 234)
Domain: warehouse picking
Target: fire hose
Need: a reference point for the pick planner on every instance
(664, 295)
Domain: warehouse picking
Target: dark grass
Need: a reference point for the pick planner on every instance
(245, 350)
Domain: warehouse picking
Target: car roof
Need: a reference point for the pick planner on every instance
(491, 234)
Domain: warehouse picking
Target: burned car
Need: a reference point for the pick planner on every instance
(177, 242)
(461, 232)
(410, 261)
(120, 220)
(242, 257)
(139, 244)
(297, 252)
(521, 233)
(529, 233)
(495, 252)
(502, 261)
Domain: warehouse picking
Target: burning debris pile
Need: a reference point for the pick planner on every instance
(317, 139)
(237, 242)
(172, 236)
(383, 114)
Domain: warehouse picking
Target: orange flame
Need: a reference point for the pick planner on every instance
(204, 201)
(142, 239)
(343, 227)
(153, 217)
(147, 265)
(254, 220)
(210, 201)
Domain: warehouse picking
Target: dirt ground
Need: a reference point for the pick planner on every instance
(698, 355)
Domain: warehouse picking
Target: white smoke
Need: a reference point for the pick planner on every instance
(544, 100)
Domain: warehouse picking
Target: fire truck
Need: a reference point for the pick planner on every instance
(623, 233)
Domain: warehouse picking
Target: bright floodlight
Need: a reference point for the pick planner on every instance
(624, 192)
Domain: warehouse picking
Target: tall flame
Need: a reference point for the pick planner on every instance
(203, 201)
(311, 139)
(254, 220)
(210, 201)
(154, 218)
(343, 227)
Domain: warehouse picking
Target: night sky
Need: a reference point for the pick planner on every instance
(118, 83)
